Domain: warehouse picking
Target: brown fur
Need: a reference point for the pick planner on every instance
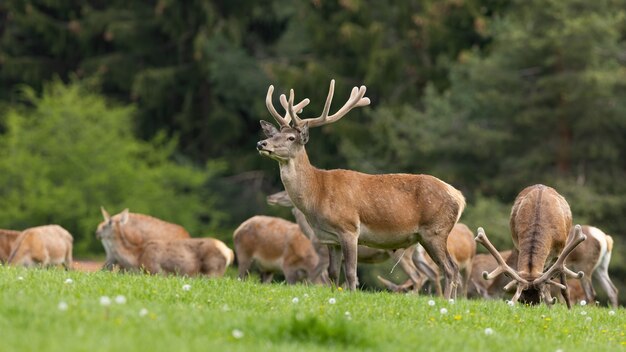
(365, 254)
(479, 287)
(7, 238)
(124, 235)
(195, 256)
(540, 223)
(42, 246)
(275, 245)
(347, 208)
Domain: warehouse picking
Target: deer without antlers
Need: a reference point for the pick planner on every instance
(346, 208)
(540, 223)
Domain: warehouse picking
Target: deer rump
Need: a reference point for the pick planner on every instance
(191, 257)
(43, 245)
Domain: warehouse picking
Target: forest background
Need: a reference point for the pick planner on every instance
(155, 105)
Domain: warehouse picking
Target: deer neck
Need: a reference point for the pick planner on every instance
(300, 180)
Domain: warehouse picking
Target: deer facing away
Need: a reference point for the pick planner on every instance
(347, 208)
(43, 245)
(540, 228)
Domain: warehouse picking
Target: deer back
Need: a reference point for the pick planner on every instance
(540, 223)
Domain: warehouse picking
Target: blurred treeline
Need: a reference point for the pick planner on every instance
(155, 105)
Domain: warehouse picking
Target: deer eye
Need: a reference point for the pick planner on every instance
(291, 138)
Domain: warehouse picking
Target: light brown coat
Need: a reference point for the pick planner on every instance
(42, 246)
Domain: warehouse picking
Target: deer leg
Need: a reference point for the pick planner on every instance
(426, 269)
(349, 244)
(243, 266)
(266, 277)
(605, 281)
(436, 246)
(590, 293)
(334, 265)
(467, 273)
(406, 263)
(565, 291)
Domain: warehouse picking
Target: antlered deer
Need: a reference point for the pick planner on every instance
(43, 245)
(347, 208)
(123, 236)
(364, 254)
(275, 244)
(592, 257)
(7, 238)
(193, 256)
(540, 228)
(462, 248)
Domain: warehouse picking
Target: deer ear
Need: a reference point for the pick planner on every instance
(304, 133)
(268, 129)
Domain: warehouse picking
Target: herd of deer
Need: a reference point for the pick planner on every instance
(348, 217)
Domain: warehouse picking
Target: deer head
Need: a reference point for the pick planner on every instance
(285, 143)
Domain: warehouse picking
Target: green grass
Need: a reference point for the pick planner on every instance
(213, 314)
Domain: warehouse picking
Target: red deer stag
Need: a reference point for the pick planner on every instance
(275, 245)
(540, 223)
(43, 245)
(187, 256)
(365, 254)
(347, 208)
(7, 238)
(123, 236)
(592, 257)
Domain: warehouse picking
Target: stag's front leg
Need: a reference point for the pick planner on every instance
(349, 244)
(334, 263)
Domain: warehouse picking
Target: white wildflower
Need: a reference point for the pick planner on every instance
(510, 303)
(69, 281)
(237, 333)
(186, 287)
(143, 312)
(451, 301)
(62, 306)
(611, 312)
(119, 299)
(443, 311)
(332, 301)
(583, 313)
(295, 300)
(583, 303)
(105, 301)
(588, 319)
(488, 331)
(431, 303)
(306, 295)
(20, 278)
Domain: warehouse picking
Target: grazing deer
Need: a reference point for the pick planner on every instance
(7, 238)
(592, 257)
(365, 254)
(493, 288)
(347, 208)
(44, 246)
(462, 248)
(540, 223)
(275, 245)
(191, 257)
(123, 236)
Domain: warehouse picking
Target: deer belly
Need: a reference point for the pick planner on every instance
(376, 239)
(266, 264)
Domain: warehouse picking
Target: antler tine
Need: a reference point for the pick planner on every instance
(295, 109)
(270, 106)
(357, 99)
(559, 265)
(502, 265)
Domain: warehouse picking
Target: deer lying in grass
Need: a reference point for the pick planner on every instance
(123, 236)
(275, 245)
(540, 228)
(7, 238)
(187, 256)
(592, 257)
(347, 208)
(365, 254)
(42, 246)
(462, 248)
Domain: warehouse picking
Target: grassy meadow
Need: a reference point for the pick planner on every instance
(55, 310)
